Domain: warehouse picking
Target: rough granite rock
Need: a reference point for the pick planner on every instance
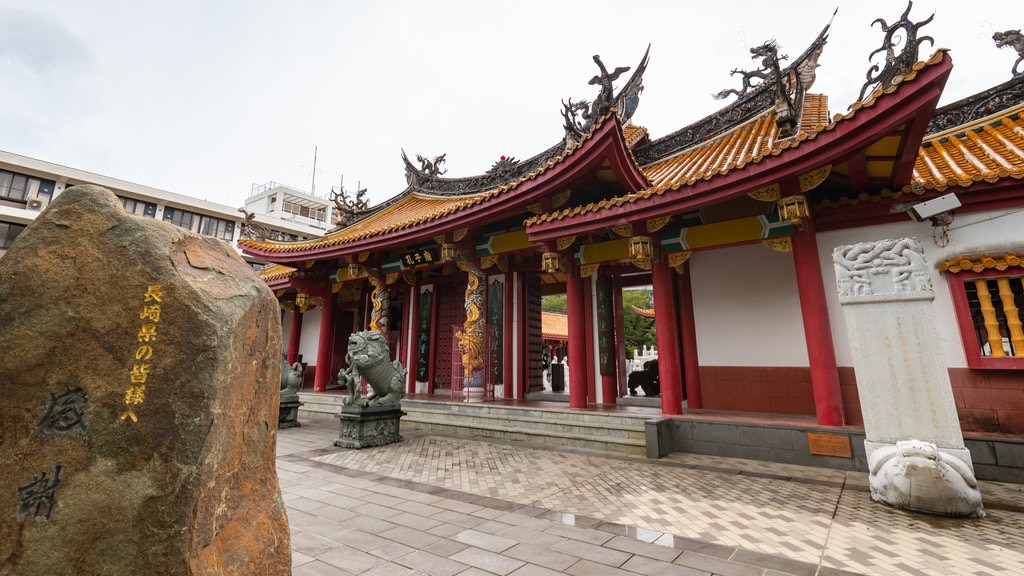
(97, 474)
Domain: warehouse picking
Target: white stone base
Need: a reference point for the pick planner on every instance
(920, 476)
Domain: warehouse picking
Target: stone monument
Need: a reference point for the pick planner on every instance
(371, 420)
(915, 449)
(137, 406)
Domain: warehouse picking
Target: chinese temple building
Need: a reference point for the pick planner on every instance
(732, 220)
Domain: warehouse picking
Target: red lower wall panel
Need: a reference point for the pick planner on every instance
(987, 401)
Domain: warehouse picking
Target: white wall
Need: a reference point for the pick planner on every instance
(746, 307)
(991, 232)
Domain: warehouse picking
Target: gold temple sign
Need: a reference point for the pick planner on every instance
(829, 444)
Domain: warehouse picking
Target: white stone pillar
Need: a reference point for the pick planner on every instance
(915, 449)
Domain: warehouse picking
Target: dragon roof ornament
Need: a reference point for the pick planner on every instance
(794, 81)
(1013, 39)
(896, 65)
(582, 115)
(348, 209)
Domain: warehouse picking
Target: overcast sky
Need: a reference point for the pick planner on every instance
(208, 97)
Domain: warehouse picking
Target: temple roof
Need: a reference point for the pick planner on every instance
(414, 207)
(554, 325)
(979, 138)
(742, 147)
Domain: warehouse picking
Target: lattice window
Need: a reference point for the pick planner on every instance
(989, 308)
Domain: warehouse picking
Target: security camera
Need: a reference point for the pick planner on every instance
(931, 208)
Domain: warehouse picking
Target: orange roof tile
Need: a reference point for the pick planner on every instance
(987, 150)
(633, 134)
(275, 272)
(554, 325)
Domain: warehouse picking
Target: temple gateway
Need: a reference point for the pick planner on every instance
(731, 221)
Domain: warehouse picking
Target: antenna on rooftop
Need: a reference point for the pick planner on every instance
(312, 186)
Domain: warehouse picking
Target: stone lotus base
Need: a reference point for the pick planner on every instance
(367, 426)
(288, 415)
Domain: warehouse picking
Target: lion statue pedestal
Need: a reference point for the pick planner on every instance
(371, 420)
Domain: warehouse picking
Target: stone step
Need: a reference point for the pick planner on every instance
(623, 434)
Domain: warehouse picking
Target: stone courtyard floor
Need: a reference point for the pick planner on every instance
(461, 505)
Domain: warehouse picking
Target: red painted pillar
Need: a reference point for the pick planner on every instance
(669, 368)
(577, 310)
(828, 398)
(325, 345)
(688, 327)
(294, 335)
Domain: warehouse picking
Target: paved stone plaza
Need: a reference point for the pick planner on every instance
(443, 505)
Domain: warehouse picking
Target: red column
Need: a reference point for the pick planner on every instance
(325, 345)
(576, 309)
(828, 398)
(294, 334)
(688, 327)
(669, 368)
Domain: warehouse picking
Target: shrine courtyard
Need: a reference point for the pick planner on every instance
(459, 505)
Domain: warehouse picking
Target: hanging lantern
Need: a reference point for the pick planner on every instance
(449, 252)
(641, 251)
(552, 262)
(794, 209)
(301, 300)
(355, 270)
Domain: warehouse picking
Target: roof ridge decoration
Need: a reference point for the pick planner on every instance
(978, 106)
(795, 80)
(349, 210)
(1014, 39)
(896, 65)
(625, 103)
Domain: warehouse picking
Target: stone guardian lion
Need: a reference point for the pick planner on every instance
(368, 356)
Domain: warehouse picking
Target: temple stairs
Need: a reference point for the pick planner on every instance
(544, 422)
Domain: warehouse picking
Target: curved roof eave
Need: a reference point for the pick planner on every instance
(605, 141)
(915, 96)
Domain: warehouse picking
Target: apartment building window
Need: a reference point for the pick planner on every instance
(20, 188)
(8, 232)
(217, 227)
(988, 296)
(138, 207)
(318, 214)
(182, 218)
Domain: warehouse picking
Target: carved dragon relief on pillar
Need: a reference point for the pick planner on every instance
(381, 305)
(471, 337)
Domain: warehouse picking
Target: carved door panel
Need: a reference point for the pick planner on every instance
(451, 312)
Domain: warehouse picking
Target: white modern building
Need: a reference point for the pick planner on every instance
(28, 185)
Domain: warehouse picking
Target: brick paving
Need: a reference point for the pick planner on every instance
(461, 505)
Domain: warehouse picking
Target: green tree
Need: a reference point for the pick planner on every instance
(639, 331)
(554, 303)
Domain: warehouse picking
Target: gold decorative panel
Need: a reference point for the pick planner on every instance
(784, 244)
(559, 200)
(677, 259)
(623, 230)
(565, 242)
(768, 193)
(655, 224)
(811, 180)
(587, 270)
